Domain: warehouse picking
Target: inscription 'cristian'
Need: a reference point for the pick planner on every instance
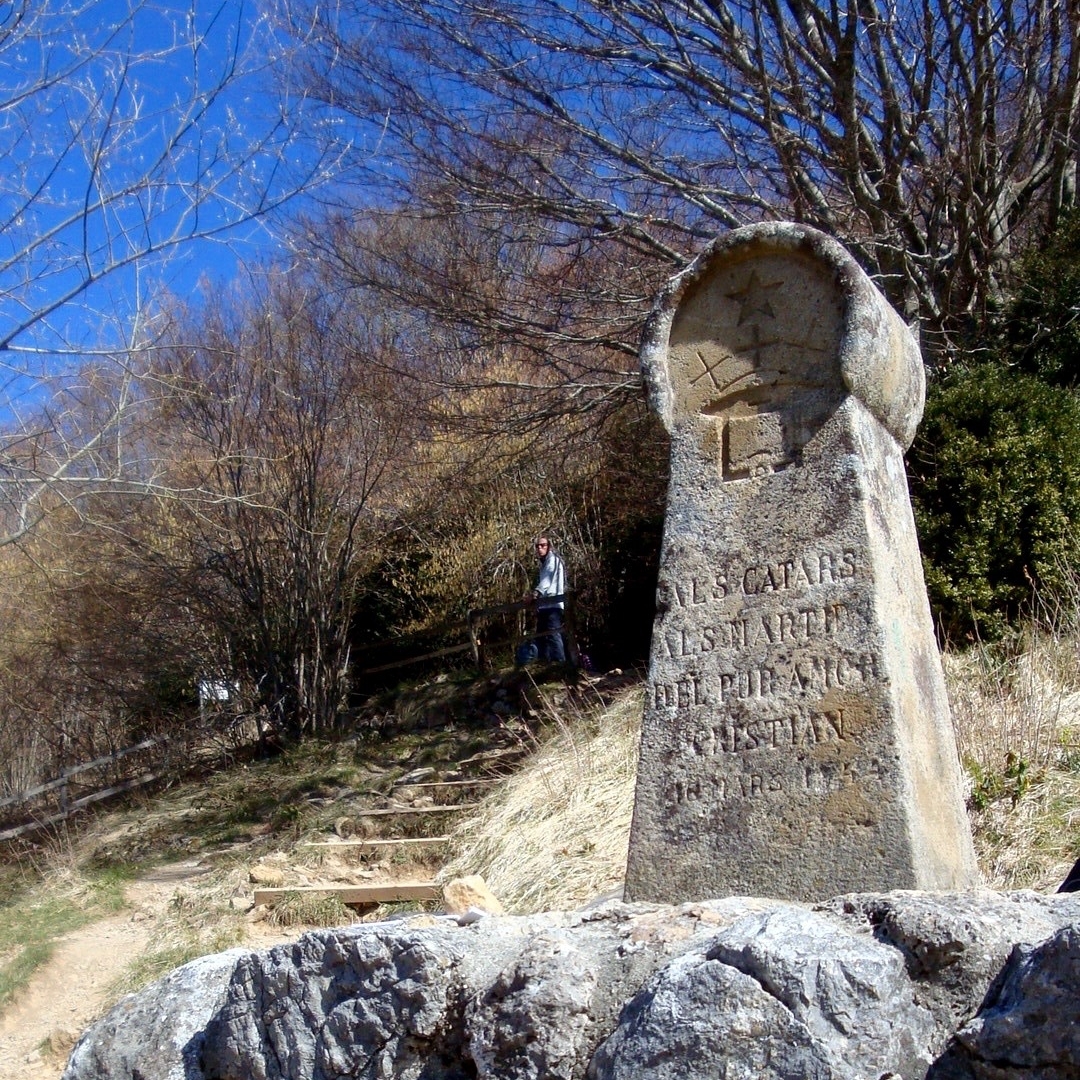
(795, 730)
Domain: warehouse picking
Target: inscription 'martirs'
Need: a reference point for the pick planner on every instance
(796, 626)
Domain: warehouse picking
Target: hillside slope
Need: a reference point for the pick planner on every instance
(538, 796)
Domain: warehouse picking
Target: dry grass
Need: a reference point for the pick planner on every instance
(1016, 709)
(196, 921)
(1032, 843)
(304, 910)
(555, 835)
(1020, 697)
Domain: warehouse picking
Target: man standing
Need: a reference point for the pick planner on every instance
(550, 584)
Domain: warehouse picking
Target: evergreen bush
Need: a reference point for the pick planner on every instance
(995, 482)
(1042, 325)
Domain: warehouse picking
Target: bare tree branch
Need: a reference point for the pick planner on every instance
(130, 132)
(931, 136)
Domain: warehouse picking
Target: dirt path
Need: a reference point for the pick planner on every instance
(73, 989)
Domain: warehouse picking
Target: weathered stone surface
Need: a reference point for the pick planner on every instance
(955, 947)
(833, 1003)
(158, 1033)
(858, 989)
(796, 739)
(697, 1014)
(1030, 1026)
(531, 1024)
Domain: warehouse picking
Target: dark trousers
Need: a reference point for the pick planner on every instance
(549, 640)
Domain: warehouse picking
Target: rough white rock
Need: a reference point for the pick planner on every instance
(157, 1034)
(1030, 1026)
(968, 986)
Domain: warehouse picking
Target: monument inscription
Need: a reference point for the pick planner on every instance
(796, 739)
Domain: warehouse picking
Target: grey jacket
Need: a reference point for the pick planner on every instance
(551, 581)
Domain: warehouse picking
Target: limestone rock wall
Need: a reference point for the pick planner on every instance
(963, 986)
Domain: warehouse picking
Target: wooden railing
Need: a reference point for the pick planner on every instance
(480, 643)
(61, 786)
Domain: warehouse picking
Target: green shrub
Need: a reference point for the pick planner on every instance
(995, 481)
(1042, 325)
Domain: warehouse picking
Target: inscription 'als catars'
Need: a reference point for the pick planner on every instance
(759, 579)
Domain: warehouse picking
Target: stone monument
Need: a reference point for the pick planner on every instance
(797, 740)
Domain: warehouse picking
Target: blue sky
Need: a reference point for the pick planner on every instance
(120, 153)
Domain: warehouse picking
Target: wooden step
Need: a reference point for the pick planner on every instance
(359, 894)
(450, 783)
(493, 757)
(374, 844)
(416, 810)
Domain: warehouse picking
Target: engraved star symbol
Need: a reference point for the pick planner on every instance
(754, 352)
(751, 298)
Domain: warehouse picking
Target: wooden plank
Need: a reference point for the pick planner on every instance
(493, 757)
(78, 804)
(376, 843)
(359, 894)
(127, 785)
(450, 783)
(417, 810)
(74, 770)
(40, 823)
(26, 796)
(509, 609)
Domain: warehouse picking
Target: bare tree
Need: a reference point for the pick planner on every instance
(303, 445)
(517, 336)
(131, 133)
(929, 136)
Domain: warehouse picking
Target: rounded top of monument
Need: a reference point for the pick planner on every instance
(740, 277)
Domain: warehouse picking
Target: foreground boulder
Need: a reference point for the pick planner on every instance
(960, 986)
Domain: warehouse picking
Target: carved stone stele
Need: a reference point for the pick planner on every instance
(797, 740)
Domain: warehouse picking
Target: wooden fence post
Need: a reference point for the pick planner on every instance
(479, 659)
